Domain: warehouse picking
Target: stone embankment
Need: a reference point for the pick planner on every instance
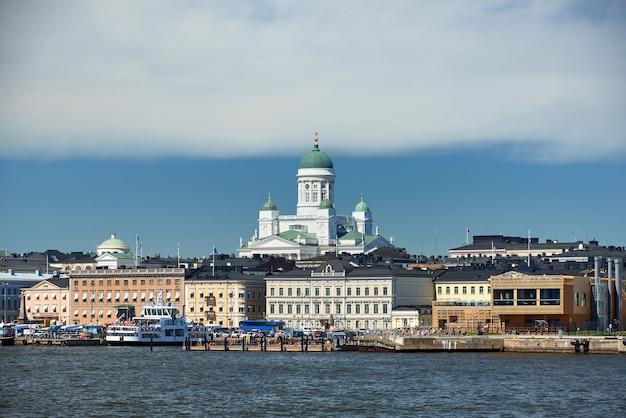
(513, 343)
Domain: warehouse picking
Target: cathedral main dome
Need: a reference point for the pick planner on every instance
(316, 158)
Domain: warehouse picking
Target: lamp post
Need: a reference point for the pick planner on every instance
(5, 302)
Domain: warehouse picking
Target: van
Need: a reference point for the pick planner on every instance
(307, 331)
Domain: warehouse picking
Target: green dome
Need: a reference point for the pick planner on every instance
(316, 158)
(326, 204)
(361, 206)
(269, 205)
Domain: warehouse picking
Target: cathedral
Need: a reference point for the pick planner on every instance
(315, 229)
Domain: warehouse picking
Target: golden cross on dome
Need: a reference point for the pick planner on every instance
(315, 139)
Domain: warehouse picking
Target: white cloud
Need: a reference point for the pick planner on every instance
(186, 78)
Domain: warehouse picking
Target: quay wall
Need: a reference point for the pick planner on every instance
(591, 345)
(449, 344)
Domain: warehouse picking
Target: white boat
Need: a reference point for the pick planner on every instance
(158, 324)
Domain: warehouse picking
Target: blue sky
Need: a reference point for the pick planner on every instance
(173, 120)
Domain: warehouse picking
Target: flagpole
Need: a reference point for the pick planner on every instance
(213, 264)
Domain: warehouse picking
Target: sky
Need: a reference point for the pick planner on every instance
(172, 120)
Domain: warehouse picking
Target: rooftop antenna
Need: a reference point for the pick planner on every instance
(467, 237)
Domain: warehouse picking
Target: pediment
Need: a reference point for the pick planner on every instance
(273, 242)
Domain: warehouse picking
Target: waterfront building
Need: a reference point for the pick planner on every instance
(48, 301)
(316, 228)
(11, 284)
(463, 301)
(223, 298)
(103, 295)
(560, 300)
(341, 294)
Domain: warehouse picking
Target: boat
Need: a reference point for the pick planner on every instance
(157, 324)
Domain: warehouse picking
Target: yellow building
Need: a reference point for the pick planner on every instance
(224, 298)
(463, 302)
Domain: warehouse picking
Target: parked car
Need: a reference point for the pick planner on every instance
(307, 331)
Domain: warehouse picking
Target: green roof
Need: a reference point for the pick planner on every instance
(361, 206)
(269, 205)
(326, 204)
(316, 158)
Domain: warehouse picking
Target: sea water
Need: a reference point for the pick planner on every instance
(168, 381)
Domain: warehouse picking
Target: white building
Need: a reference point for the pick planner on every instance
(316, 228)
(342, 295)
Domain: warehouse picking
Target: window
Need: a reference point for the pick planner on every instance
(349, 291)
(473, 290)
(526, 297)
(481, 290)
(385, 291)
(584, 300)
(367, 291)
(464, 290)
(272, 308)
(447, 290)
(289, 308)
(550, 297)
(375, 291)
(327, 291)
(338, 291)
(366, 308)
(271, 292)
(327, 309)
(576, 299)
(280, 291)
(317, 308)
(375, 308)
(456, 290)
(280, 308)
(298, 292)
(358, 291)
(307, 292)
(289, 291)
(357, 308)
(306, 309)
(385, 308)
(439, 290)
(337, 308)
(348, 309)
(503, 297)
(317, 291)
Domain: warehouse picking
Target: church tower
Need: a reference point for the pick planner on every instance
(363, 217)
(316, 181)
(268, 219)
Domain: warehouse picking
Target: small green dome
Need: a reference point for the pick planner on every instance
(316, 158)
(269, 205)
(361, 206)
(326, 204)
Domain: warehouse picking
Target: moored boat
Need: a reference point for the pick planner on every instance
(158, 324)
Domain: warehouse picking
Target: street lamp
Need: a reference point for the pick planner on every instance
(5, 302)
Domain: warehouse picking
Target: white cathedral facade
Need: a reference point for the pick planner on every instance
(315, 229)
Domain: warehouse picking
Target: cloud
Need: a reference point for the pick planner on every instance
(184, 78)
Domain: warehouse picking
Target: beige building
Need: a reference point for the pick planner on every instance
(224, 298)
(100, 296)
(560, 300)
